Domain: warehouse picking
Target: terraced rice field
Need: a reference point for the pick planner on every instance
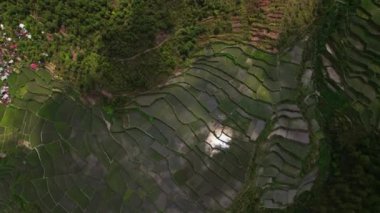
(184, 147)
(236, 114)
(266, 25)
(359, 48)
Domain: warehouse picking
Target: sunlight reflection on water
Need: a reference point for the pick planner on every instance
(219, 140)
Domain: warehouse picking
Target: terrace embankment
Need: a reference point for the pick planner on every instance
(238, 124)
(265, 28)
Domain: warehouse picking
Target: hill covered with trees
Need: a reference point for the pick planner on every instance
(100, 43)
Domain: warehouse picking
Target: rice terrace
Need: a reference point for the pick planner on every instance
(190, 106)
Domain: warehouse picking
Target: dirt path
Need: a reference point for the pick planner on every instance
(145, 51)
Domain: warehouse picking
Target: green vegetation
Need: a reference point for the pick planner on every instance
(352, 184)
(112, 44)
(245, 125)
(10, 168)
(299, 18)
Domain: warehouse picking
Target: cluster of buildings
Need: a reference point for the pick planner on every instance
(9, 58)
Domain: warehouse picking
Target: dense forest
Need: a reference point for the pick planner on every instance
(352, 184)
(99, 44)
